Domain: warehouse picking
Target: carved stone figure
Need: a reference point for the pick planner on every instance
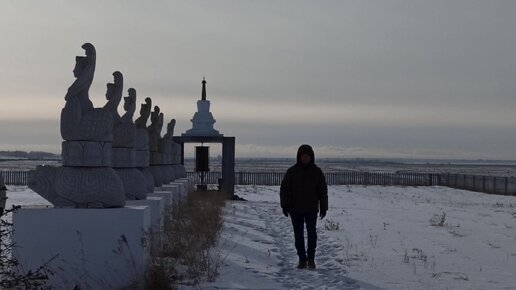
(166, 150)
(154, 130)
(124, 152)
(170, 129)
(145, 112)
(124, 128)
(79, 120)
(114, 95)
(142, 144)
(155, 160)
(160, 124)
(85, 179)
(129, 106)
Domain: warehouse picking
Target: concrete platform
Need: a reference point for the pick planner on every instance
(93, 248)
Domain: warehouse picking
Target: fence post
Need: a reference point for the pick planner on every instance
(474, 182)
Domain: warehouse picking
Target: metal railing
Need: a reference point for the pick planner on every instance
(332, 178)
(481, 183)
(15, 177)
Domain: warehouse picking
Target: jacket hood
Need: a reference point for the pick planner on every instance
(305, 149)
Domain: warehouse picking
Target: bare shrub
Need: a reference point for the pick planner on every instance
(438, 220)
(191, 231)
(331, 225)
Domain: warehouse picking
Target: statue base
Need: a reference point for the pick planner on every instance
(91, 187)
(157, 209)
(157, 174)
(93, 248)
(134, 183)
(149, 179)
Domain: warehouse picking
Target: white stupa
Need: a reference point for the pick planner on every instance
(202, 121)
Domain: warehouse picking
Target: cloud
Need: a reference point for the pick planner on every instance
(425, 76)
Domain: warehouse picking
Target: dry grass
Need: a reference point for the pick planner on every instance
(191, 231)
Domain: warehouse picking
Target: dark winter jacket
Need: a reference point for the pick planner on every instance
(304, 188)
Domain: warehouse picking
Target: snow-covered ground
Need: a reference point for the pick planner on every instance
(385, 237)
(389, 237)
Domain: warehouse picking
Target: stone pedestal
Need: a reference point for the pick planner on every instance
(167, 197)
(157, 175)
(94, 187)
(142, 157)
(182, 186)
(149, 179)
(168, 173)
(124, 163)
(94, 248)
(174, 192)
(157, 209)
(189, 183)
(134, 183)
(179, 170)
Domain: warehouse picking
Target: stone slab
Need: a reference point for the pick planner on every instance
(156, 205)
(188, 181)
(123, 157)
(142, 158)
(166, 195)
(157, 209)
(86, 153)
(95, 248)
(182, 188)
(174, 190)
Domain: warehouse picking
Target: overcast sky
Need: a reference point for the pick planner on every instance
(353, 78)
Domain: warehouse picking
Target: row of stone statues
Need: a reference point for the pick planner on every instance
(107, 158)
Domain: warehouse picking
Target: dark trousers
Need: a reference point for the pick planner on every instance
(298, 222)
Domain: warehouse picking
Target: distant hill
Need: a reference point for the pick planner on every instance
(32, 155)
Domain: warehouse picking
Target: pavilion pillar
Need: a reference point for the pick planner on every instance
(228, 165)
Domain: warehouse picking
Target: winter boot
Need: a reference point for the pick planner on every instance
(311, 264)
(301, 265)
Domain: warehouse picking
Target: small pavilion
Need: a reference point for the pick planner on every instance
(203, 132)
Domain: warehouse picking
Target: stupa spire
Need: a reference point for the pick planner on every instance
(202, 121)
(203, 95)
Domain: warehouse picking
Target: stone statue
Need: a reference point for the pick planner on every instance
(155, 159)
(154, 130)
(142, 144)
(153, 127)
(170, 129)
(145, 112)
(129, 106)
(86, 178)
(124, 151)
(79, 120)
(123, 132)
(166, 150)
(84, 71)
(160, 124)
(114, 95)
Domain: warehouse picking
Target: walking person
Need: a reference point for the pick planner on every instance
(304, 194)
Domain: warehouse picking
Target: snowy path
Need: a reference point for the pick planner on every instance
(259, 243)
